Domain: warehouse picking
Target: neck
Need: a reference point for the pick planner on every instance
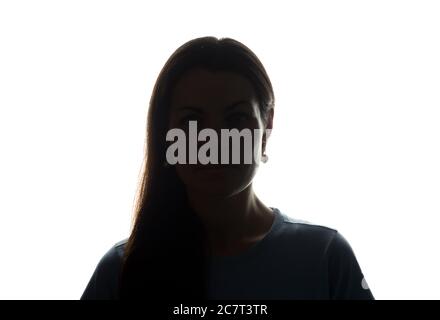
(232, 222)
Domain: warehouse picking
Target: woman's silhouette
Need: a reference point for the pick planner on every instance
(200, 231)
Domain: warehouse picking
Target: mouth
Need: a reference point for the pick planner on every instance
(207, 168)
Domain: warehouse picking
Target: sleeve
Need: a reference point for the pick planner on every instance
(346, 280)
(104, 280)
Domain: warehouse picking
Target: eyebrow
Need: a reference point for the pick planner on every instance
(199, 110)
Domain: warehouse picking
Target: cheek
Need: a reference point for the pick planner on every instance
(184, 172)
(257, 145)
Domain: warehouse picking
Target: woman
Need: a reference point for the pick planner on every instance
(200, 231)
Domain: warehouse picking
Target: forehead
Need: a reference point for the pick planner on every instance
(201, 87)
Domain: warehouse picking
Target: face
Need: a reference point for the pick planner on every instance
(217, 100)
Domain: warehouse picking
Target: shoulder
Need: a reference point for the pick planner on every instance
(119, 247)
(313, 242)
(113, 256)
(104, 280)
(306, 234)
(327, 248)
(307, 226)
(312, 235)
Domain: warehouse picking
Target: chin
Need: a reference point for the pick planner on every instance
(214, 189)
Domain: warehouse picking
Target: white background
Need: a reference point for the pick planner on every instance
(355, 144)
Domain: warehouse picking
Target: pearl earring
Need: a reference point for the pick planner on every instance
(264, 158)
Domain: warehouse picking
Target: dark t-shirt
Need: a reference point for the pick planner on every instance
(295, 260)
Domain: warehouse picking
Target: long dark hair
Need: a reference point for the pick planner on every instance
(165, 254)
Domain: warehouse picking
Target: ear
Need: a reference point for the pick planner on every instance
(268, 129)
(270, 118)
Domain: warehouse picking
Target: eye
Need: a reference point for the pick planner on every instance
(184, 121)
(237, 118)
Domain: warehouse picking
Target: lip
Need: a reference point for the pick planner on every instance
(213, 167)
